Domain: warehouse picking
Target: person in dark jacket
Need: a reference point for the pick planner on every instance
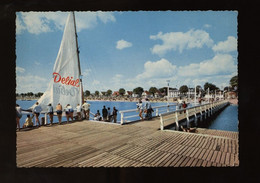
(114, 114)
(104, 113)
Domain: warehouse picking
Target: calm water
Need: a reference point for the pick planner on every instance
(226, 120)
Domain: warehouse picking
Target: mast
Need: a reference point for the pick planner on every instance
(76, 36)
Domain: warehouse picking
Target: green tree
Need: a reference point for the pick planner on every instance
(153, 90)
(139, 91)
(87, 93)
(39, 94)
(198, 89)
(184, 89)
(163, 90)
(96, 93)
(211, 87)
(30, 94)
(121, 91)
(109, 92)
(234, 82)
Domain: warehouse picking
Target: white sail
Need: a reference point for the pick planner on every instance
(65, 86)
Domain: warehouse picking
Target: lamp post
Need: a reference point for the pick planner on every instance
(168, 81)
(195, 95)
(208, 95)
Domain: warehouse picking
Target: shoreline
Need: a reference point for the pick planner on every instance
(113, 100)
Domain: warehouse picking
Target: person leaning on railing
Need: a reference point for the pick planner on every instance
(86, 108)
(59, 112)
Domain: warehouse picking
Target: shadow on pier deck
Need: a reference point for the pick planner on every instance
(141, 144)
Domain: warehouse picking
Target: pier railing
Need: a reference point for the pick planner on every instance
(133, 114)
(204, 110)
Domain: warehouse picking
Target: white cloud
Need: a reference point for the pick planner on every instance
(20, 69)
(37, 63)
(31, 83)
(159, 69)
(121, 44)
(226, 46)
(19, 26)
(207, 26)
(180, 41)
(221, 63)
(106, 17)
(86, 72)
(95, 82)
(42, 22)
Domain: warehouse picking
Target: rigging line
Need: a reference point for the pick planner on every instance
(93, 74)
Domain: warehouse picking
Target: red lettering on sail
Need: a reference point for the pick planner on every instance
(55, 77)
(65, 80)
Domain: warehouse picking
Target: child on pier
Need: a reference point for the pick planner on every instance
(28, 122)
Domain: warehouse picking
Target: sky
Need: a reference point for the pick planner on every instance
(127, 49)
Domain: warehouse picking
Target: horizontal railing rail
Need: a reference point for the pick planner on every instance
(134, 113)
(175, 116)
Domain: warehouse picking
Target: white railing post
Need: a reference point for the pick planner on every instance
(195, 115)
(200, 113)
(157, 112)
(45, 118)
(161, 120)
(206, 112)
(187, 117)
(168, 108)
(122, 118)
(177, 120)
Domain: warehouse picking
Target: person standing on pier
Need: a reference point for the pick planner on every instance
(78, 108)
(86, 108)
(184, 105)
(148, 109)
(36, 111)
(69, 112)
(115, 114)
(104, 113)
(109, 114)
(59, 112)
(18, 115)
(50, 112)
(140, 107)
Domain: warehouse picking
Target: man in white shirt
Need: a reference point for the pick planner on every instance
(36, 111)
(86, 108)
(78, 108)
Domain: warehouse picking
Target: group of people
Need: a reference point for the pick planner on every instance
(146, 108)
(85, 108)
(107, 115)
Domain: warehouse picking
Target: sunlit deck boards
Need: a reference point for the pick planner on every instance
(91, 144)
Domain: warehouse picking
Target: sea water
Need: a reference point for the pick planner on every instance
(226, 120)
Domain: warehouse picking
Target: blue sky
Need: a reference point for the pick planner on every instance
(130, 49)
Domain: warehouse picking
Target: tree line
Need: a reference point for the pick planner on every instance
(164, 90)
(153, 90)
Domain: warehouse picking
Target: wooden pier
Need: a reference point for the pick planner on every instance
(140, 144)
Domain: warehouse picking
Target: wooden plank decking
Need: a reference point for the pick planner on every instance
(141, 144)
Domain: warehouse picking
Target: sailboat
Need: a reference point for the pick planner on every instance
(65, 86)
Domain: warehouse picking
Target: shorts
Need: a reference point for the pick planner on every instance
(59, 112)
(37, 113)
(50, 113)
